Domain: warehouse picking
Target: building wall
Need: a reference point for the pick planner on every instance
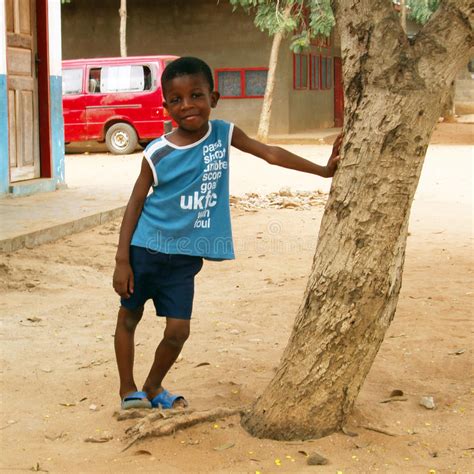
(4, 165)
(308, 106)
(203, 28)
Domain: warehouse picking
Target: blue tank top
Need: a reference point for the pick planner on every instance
(188, 210)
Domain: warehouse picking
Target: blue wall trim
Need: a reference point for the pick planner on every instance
(57, 129)
(4, 161)
(34, 186)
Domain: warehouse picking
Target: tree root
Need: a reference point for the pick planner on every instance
(163, 423)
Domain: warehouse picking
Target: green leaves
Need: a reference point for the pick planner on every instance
(307, 19)
(272, 19)
(421, 10)
(321, 17)
(303, 19)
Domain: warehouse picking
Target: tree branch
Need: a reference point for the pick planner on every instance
(372, 39)
(372, 45)
(377, 51)
(356, 16)
(445, 42)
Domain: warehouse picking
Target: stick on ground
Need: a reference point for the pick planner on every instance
(378, 430)
(161, 423)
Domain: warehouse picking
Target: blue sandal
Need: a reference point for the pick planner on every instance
(165, 400)
(135, 400)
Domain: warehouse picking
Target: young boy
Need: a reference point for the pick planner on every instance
(165, 236)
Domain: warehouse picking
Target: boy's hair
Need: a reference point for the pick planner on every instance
(184, 66)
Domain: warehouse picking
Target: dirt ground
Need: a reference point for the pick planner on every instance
(59, 380)
(444, 134)
(453, 133)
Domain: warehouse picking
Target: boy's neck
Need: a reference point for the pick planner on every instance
(183, 137)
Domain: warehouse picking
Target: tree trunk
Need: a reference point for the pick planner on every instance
(265, 115)
(393, 91)
(123, 28)
(403, 15)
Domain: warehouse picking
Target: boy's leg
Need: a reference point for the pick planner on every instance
(127, 321)
(174, 337)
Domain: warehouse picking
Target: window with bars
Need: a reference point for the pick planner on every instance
(314, 75)
(313, 71)
(241, 83)
(300, 71)
(326, 72)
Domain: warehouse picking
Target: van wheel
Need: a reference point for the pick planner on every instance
(121, 139)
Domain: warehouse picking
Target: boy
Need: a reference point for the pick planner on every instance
(165, 236)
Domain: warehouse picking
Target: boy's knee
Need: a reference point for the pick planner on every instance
(176, 335)
(130, 318)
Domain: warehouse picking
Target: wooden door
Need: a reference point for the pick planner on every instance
(22, 82)
(338, 94)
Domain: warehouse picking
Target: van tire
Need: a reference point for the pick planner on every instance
(121, 139)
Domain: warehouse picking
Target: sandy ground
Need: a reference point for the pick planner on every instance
(59, 381)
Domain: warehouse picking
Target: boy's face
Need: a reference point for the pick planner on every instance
(189, 100)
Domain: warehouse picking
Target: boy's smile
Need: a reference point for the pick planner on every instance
(189, 100)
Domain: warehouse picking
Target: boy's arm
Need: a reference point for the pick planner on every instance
(281, 157)
(123, 276)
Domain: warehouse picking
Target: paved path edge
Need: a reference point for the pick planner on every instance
(56, 232)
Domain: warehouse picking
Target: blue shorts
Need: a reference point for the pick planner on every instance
(166, 279)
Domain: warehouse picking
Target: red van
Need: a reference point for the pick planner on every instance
(116, 100)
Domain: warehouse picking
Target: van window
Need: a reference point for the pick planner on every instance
(120, 79)
(72, 81)
(94, 80)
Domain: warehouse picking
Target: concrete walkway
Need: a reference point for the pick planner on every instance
(33, 220)
(99, 186)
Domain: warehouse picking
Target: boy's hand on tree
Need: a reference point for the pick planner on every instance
(331, 165)
(123, 281)
(337, 144)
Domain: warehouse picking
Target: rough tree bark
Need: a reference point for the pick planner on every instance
(123, 28)
(394, 91)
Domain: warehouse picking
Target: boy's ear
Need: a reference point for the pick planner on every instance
(214, 98)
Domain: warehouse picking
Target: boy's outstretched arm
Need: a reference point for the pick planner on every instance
(123, 282)
(281, 157)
